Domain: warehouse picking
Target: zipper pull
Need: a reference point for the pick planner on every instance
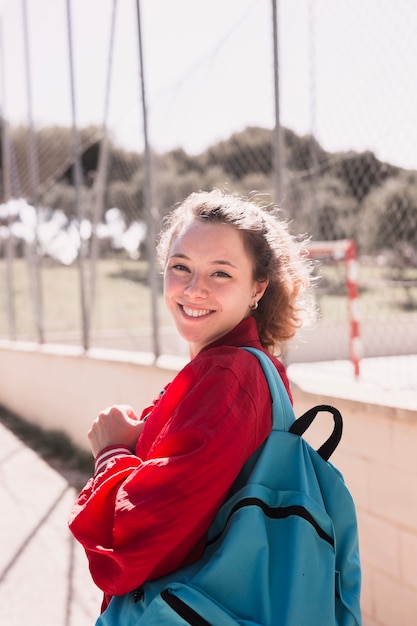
(138, 595)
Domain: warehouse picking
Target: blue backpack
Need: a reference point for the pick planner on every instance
(282, 550)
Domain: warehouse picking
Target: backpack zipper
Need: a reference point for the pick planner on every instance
(183, 610)
(280, 512)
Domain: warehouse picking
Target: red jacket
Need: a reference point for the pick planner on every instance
(145, 515)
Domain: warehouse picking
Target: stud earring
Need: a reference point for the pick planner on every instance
(253, 306)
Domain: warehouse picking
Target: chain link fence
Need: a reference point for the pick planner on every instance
(310, 104)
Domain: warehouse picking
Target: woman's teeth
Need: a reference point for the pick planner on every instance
(195, 312)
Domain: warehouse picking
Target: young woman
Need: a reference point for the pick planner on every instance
(233, 277)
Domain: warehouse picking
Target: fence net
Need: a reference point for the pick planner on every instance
(326, 128)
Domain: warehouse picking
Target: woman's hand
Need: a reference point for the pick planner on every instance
(117, 424)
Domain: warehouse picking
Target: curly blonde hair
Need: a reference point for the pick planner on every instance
(277, 257)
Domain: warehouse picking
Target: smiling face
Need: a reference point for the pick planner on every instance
(209, 282)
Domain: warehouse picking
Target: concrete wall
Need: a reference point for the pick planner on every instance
(63, 388)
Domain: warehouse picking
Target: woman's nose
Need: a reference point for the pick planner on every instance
(196, 286)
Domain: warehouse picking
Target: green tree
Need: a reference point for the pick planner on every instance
(302, 153)
(337, 209)
(62, 196)
(54, 155)
(244, 152)
(123, 164)
(389, 219)
(361, 172)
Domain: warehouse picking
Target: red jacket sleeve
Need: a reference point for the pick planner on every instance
(146, 515)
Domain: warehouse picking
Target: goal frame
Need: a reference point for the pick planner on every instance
(344, 250)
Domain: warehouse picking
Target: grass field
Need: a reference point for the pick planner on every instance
(122, 297)
(382, 291)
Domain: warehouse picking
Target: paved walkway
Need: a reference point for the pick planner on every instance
(44, 579)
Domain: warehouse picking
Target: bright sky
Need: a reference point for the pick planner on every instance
(209, 70)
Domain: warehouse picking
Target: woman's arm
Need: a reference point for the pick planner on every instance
(142, 518)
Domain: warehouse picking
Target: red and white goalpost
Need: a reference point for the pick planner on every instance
(344, 250)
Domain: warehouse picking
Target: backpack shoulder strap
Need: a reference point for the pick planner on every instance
(283, 417)
(282, 412)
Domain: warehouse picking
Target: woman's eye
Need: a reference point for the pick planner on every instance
(180, 267)
(221, 274)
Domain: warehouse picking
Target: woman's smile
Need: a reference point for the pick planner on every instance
(195, 313)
